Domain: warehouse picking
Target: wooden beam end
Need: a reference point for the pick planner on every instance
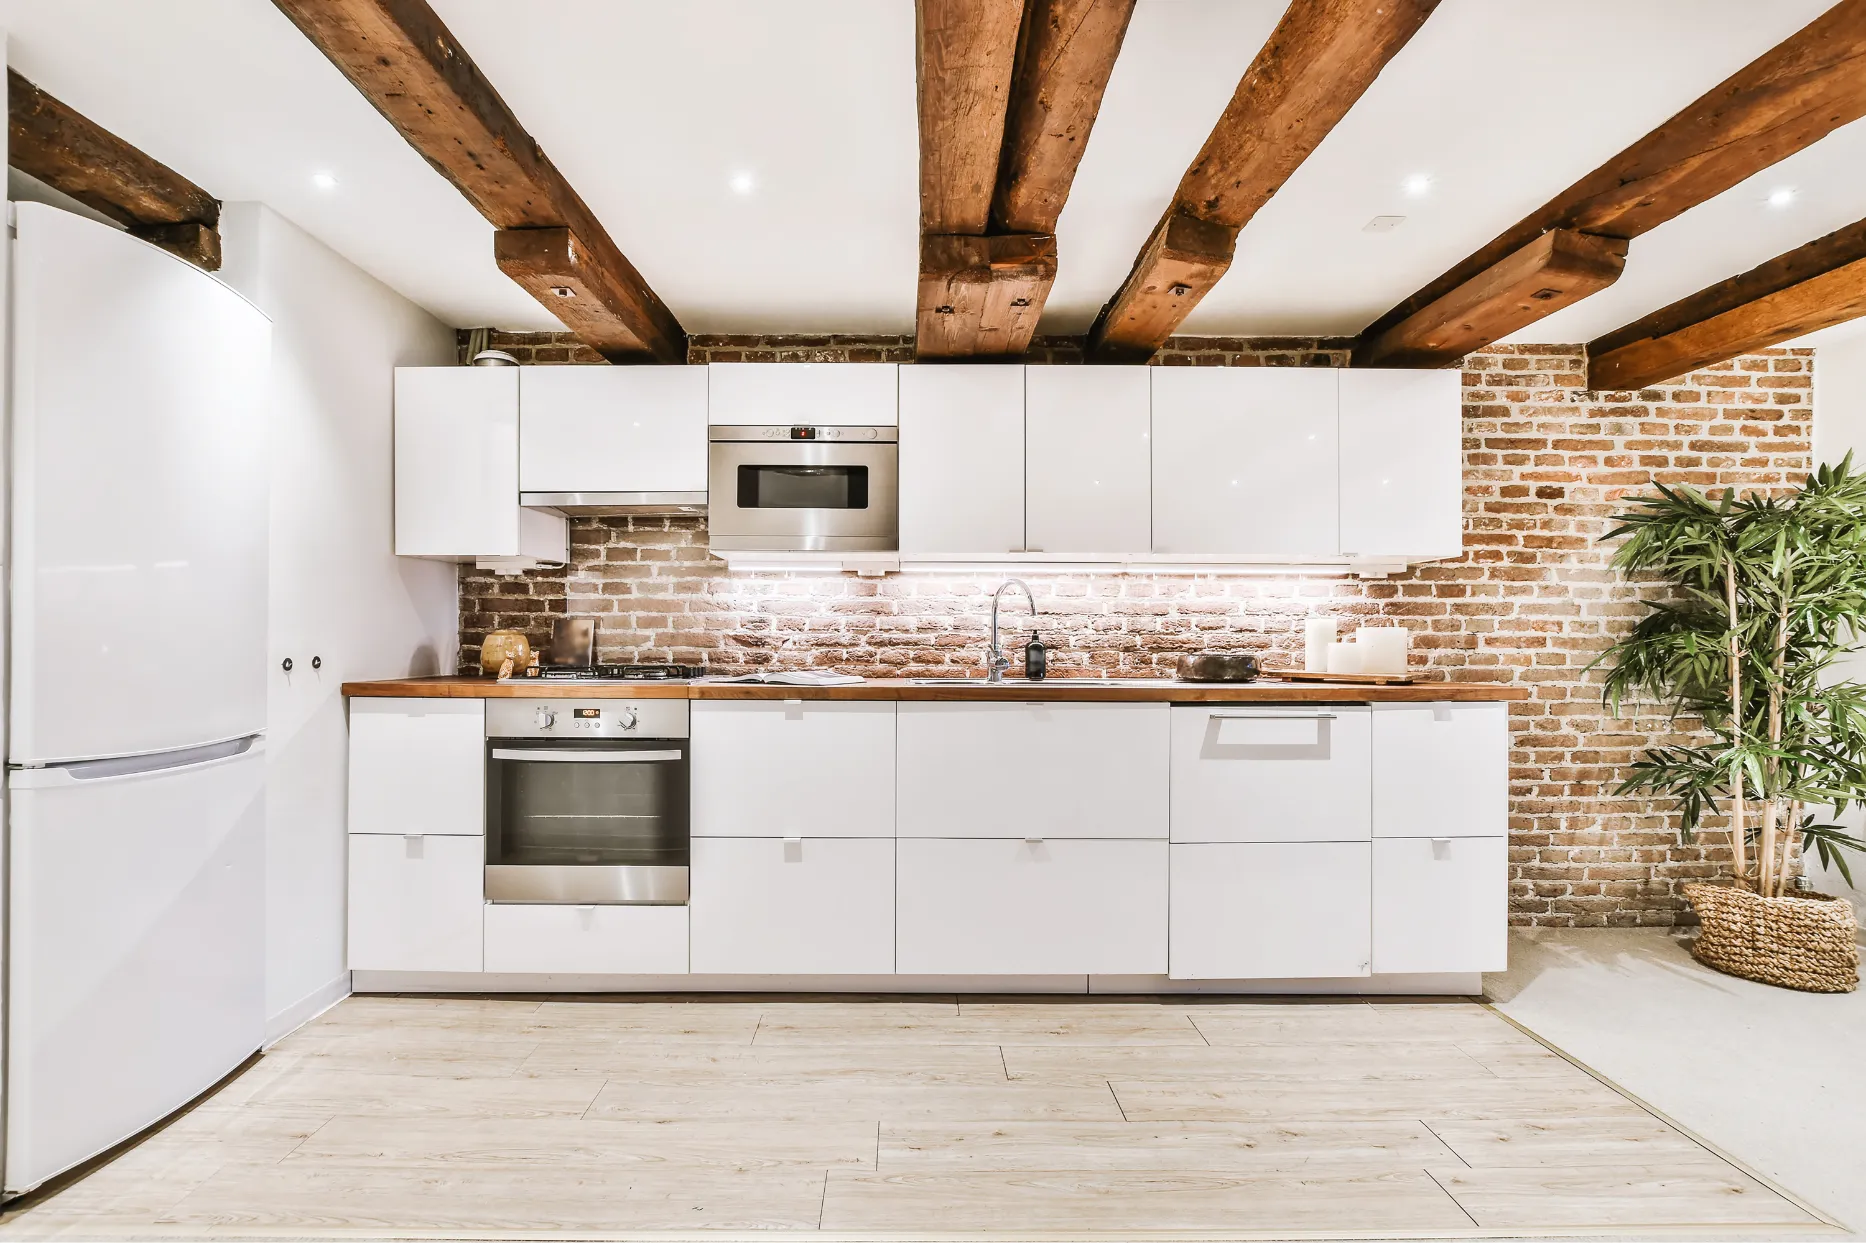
(585, 291)
(198, 243)
(981, 297)
(1181, 262)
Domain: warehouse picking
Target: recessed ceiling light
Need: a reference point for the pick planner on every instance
(324, 181)
(1782, 196)
(743, 183)
(1417, 185)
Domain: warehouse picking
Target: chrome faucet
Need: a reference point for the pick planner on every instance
(996, 662)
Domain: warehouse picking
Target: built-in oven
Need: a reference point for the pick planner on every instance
(804, 489)
(586, 801)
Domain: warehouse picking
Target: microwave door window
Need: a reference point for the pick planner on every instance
(803, 487)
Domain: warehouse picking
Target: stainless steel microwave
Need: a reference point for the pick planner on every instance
(804, 489)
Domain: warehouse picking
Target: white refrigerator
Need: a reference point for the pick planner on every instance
(136, 647)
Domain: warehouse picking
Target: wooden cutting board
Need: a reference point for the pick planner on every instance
(1346, 679)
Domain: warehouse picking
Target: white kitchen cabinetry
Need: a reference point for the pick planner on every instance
(418, 766)
(1270, 773)
(1441, 769)
(1019, 907)
(612, 430)
(1016, 770)
(1270, 911)
(803, 906)
(456, 469)
(768, 768)
(591, 940)
(1402, 471)
(805, 394)
(1440, 904)
(962, 460)
(416, 903)
(1088, 475)
(1245, 461)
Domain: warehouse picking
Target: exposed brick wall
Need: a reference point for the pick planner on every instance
(1532, 601)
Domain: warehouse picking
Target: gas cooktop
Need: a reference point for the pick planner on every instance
(611, 673)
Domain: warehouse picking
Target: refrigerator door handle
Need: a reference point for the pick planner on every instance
(136, 765)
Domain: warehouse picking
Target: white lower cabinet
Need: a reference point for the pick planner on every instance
(416, 903)
(1440, 904)
(593, 940)
(1042, 907)
(799, 906)
(1270, 910)
(1270, 773)
(1441, 769)
(770, 768)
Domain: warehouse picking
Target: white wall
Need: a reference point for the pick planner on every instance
(1840, 428)
(337, 592)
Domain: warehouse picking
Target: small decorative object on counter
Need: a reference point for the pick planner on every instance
(1217, 667)
(1383, 648)
(1036, 658)
(1344, 657)
(573, 643)
(1317, 634)
(503, 650)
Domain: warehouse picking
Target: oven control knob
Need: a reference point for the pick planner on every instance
(547, 717)
(628, 718)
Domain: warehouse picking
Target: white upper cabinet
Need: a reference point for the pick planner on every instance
(810, 394)
(456, 469)
(1087, 467)
(612, 429)
(962, 459)
(1245, 461)
(1402, 472)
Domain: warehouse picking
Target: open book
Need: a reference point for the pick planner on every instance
(796, 677)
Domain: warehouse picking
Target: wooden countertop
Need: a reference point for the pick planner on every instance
(1143, 690)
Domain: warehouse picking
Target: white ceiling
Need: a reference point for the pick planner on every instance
(654, 110)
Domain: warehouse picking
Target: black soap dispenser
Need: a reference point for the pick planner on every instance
(1036, 658)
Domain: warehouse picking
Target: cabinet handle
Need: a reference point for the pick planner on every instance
(1033, 841)
(540, 755)
(1271, 716)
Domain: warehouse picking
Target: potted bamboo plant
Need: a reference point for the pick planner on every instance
(1766, 594)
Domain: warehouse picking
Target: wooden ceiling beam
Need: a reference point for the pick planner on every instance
(406, 62)
(1009, 90)
(1811, 287)
(1796, 93)
(68, 151)
(1320, 59)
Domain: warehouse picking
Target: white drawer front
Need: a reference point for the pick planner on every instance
(1270, 773)
(594, 940)
(809, 768)
(1032, 908)
(1441, 904)
(814, 906)
(418, 766)
(1441, 770)
(1021, 770)
(1270, 911)
(416, 903)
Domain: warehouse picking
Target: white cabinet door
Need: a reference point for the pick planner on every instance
(1441, 769)
(587, 940)
(1270, 911)
(612, 429)
(810, 906)
(1402, 463)
(767, 768)
(814, 394)
(1270, 773)
(1245, 461)
(1071, 770)
(962, 459)
(1441, 904)
(1048, 907)
(456, 468)
(418, 766)
(416, 903)
(1088, 472)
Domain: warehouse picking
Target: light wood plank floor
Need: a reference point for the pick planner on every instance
(502, 1117)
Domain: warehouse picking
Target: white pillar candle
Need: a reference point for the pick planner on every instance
(1317, 634)
(1383, 649)
(1344, 657)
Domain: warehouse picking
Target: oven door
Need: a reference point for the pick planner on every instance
(803, 497)
(590, 820)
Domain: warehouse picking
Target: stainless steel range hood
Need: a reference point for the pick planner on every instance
(616, 504)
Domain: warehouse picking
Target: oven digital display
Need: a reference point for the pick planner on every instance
(587, 714)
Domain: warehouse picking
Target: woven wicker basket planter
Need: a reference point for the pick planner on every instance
(1806, 941)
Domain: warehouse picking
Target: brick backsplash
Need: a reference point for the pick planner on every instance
(1531, 602)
